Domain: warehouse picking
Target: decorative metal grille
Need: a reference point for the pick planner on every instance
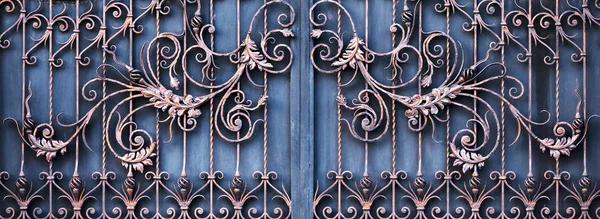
(147, 111)
(453, 63)
(131, 109)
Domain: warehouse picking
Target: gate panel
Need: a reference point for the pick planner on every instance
(476, 109)
(146, 109)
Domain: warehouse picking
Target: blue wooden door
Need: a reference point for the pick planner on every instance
(298, 109)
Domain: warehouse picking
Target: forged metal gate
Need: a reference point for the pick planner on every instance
(441, 118)
(279, 109)
(146, 109)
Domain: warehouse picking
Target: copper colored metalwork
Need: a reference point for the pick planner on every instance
(468, 149)
(233, 116)
(435, 79)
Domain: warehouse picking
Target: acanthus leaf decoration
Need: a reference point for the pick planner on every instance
(174, 105)
(47, 147)
(252, 57)
(287, 32)
(432, 103)
(559, 146)
(352, 54)
(316, 33)
(137, 160)
(468, 160)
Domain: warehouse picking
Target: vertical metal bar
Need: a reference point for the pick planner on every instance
(584, 81)
(157, 177)
(557, 93)
(448, 178)
(212, 46)
(339, 92)
(265, 124)
(475, 27)
(366, 173)
(393, 130)
(50, 177)
(103, 177)
(23, 80)
(339, 118)
(265, 112)
(420, 135)
(130, 62)
(50, 61)
(502, 109)
(77, 58)
(529, 81)
(237, 145)
(557, 59)
(211, 124)
(185, 91)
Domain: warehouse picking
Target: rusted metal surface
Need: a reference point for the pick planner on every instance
(160, 81)
(448, 79)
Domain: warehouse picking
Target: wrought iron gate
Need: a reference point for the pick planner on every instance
(146, 109)
(402, 149)
(279, 109)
